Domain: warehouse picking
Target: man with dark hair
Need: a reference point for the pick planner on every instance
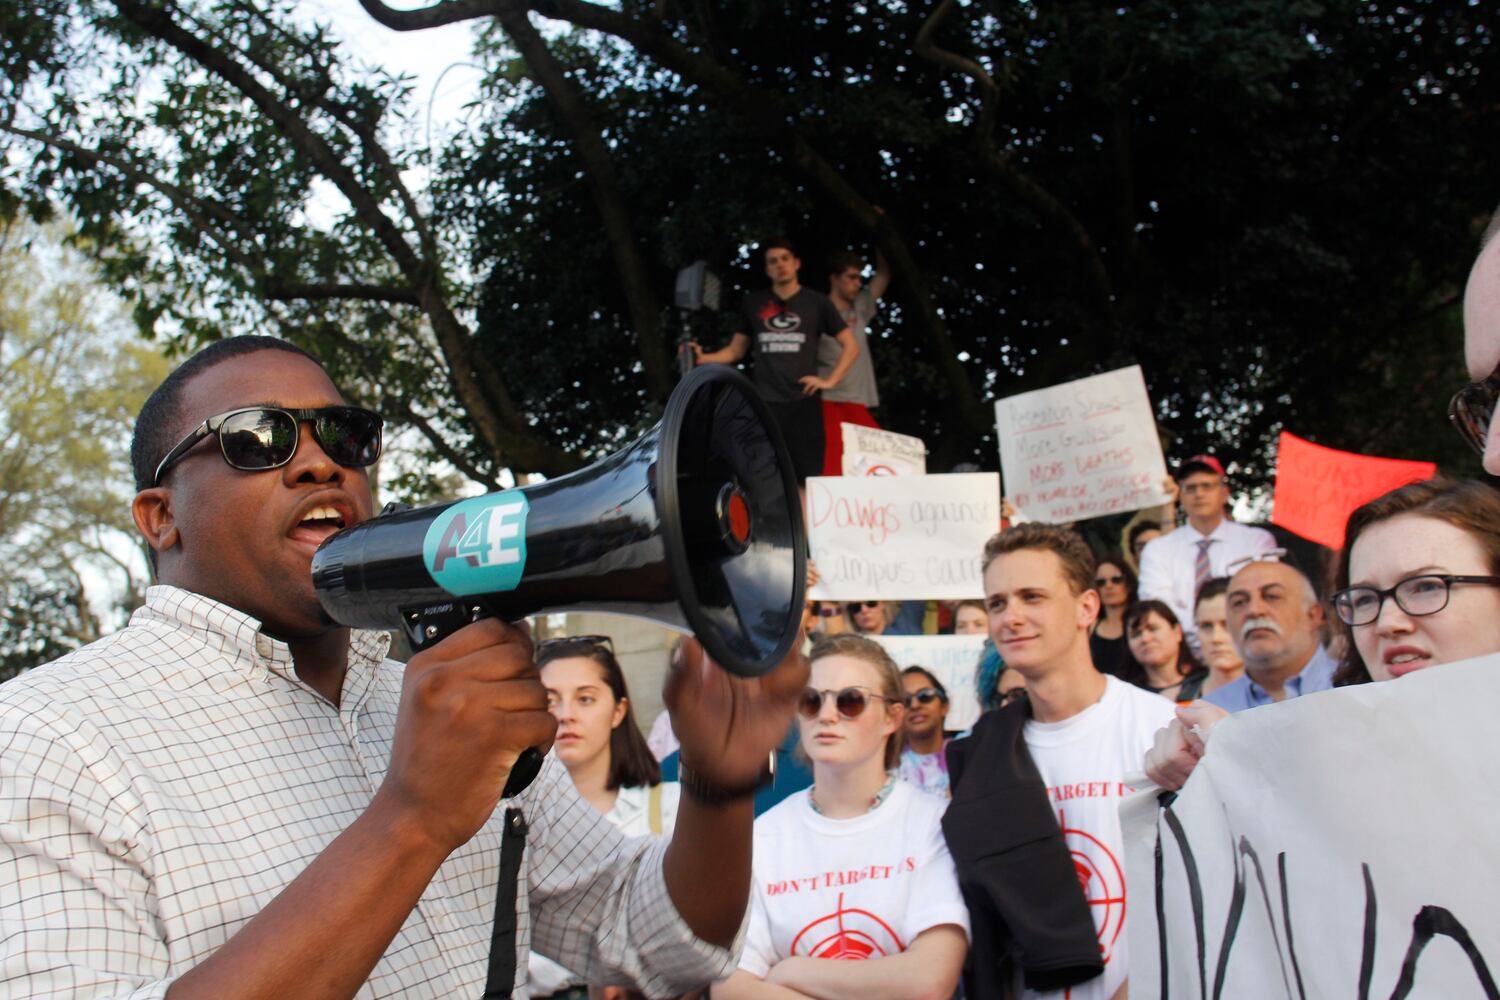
(234, 796)
(850, 401)
(1175, 565)
(784, 326)
(1083, 730)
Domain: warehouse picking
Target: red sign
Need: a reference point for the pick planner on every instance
(1318, 488)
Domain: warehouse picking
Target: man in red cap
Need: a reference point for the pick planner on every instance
(1175, 565)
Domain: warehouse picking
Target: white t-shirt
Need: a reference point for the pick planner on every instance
(1082, 761)
(854, 888)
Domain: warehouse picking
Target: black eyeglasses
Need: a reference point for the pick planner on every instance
(862, 605)
(850, 701)
(923, 696)
(1416, 595)
(256, 438)
(1101, 581)
(1473, 407)
(823, 610)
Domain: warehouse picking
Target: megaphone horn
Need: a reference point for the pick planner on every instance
(697, 525)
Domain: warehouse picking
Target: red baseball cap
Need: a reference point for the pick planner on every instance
(1201, 463)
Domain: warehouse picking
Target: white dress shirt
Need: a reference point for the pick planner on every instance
(160, 787)
(1169, 564)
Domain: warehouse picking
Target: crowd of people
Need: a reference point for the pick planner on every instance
(234, 796)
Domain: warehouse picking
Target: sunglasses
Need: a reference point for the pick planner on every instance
(583, 642)
(862, 605)
(1270, 555)
(923, 696)
(823, 610)
(850, 701)
(1102, 581)
(256, 438)
(1473, 407)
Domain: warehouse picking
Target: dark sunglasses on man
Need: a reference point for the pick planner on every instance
(257, 438)
(1473, 407)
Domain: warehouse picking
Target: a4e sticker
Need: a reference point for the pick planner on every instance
(478, 546)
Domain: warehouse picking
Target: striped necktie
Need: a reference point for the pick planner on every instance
(1201, 569)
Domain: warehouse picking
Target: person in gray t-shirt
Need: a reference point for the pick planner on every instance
(852, 399)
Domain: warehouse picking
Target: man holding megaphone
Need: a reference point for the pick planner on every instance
(235, 796)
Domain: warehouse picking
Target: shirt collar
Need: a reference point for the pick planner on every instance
(241, 639)
(1257, 695)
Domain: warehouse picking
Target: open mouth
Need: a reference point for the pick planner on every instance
(319, 523)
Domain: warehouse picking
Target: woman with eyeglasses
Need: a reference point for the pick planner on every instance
(1417, 585)
(871, 617)
(1160, 660)
(922, 760)
(856, 866)
(608, 759)
(1116, 584)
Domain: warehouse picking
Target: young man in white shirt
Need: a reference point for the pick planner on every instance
(1087, 730)
(1175, 565)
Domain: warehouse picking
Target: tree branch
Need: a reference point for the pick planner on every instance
(399, 406)
(290, 291)
(434, 16)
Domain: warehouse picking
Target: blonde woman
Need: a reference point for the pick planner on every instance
(856, 866)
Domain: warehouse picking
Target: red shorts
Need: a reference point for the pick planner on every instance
(833, 435)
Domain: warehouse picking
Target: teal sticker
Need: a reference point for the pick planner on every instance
(478, 546)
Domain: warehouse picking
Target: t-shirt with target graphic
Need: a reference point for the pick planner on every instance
(855, 888)
(1083, 762)
(784, 336)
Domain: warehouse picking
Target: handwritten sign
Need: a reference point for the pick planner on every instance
(1334, 845)
(1318, 488)
(952, 659)
(900, 537)
(1081, 449)
(870, 451)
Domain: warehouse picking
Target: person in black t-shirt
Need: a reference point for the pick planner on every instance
(783, 325)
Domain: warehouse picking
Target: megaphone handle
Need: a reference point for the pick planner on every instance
(425, 626)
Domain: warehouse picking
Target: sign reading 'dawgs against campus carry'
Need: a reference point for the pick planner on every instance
(900, 537)
(1081, 449)
(1340, 844)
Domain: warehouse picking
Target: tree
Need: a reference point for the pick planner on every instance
(71, 383)
(1264, 204)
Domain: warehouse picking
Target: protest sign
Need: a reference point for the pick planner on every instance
(1318, 488)
(1081, 449)
(900, 537)
(870, 451)
(1335, 845)
(952, 659)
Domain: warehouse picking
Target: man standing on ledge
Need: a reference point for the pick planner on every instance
(787, 323)
(235, 797)
(1175, 565)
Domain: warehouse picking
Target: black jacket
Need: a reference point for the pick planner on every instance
(1018, 879)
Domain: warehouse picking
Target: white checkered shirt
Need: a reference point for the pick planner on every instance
(159, 787)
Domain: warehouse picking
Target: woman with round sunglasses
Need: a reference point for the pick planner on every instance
(856, 866)
(1160, 660)
(1115, 581)
(922, 760)
(608, 759)
(1417, 585)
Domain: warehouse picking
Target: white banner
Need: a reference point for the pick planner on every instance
(952, 659)
(900, 537)
(1337, 845)
(870, 451)
(1081, 449)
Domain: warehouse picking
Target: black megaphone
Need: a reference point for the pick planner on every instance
(697, 526)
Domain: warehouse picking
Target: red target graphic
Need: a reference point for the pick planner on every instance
(848, 934)
(1103, 883)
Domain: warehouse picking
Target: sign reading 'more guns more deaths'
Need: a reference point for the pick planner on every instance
(900, 537)
(1081, 449)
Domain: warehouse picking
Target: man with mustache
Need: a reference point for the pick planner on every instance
(1276, 623)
